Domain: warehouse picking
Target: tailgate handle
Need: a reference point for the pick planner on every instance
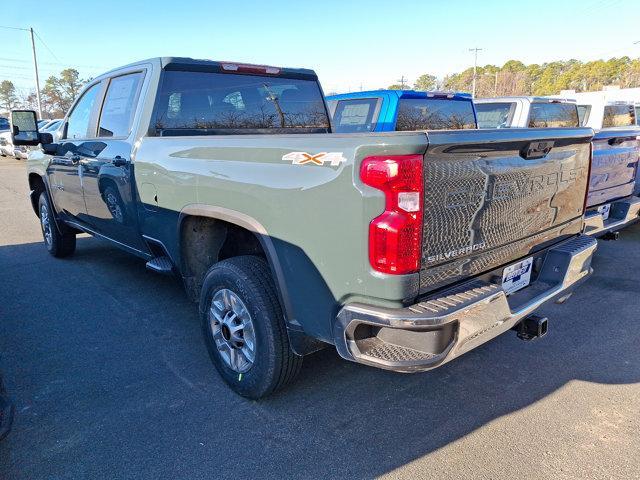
(536, 149)
(617, 140)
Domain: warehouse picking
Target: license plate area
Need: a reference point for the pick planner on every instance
(517, 276)
(605, 211)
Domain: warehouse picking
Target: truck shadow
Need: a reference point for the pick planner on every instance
(339, 420)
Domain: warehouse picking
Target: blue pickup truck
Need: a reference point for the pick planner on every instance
(401, 110)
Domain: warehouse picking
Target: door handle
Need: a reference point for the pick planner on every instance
(119, 161)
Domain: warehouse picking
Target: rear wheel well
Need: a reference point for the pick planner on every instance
(36, 185)
(205, 241)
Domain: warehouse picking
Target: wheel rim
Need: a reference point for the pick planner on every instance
(114, 207)
(232, 329)
(45, 221)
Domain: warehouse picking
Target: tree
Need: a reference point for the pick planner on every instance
(8, 98)
(396, 86)
(59, 92)
(426, 82)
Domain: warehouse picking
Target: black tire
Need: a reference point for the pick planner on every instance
(59, 243)
(275, 364)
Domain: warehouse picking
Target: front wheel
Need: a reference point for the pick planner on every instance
(244, 328)
(58, 243)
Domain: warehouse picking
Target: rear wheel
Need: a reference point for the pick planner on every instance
(58, 243)
(244, 329)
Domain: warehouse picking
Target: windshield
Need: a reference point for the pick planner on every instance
(435, 114)
(220, 103)
(494, 115)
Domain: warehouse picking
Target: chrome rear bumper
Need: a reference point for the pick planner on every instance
(622, 213)
(437, 330)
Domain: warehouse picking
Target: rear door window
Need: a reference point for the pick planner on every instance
(192, 103)
(434, 114)
(637, 114)
(495, 115)
(553, 115)
(119, 105)
(356, 115)
(618, 116)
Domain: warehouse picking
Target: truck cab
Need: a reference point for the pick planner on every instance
(400, 110)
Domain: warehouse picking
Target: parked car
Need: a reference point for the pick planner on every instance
(51, 125)
(400, 110)
(405, 250)
(526, 112)
(43, 122)
(7, 148)
(611, 203)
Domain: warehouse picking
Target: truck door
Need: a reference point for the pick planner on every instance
(64, 171)
(107, 171)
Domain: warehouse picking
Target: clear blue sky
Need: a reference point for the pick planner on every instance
(367, 44)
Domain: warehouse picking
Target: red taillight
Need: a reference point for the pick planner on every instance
(395, 237)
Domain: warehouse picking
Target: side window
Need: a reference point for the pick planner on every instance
(78, 123)
(119, 106)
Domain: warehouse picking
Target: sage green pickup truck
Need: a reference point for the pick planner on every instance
(404, 250)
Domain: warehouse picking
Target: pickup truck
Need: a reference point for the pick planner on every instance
(400, 110)
(403, 249)
(611, 203)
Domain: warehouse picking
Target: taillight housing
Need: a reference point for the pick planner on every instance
(395, 236)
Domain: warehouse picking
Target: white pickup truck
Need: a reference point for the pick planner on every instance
(611, 202)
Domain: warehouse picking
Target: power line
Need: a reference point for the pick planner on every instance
(46, 46)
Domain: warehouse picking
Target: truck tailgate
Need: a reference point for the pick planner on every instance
(491, 199)
(614, 165)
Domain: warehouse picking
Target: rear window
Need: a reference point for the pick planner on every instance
(355, 115)
(494, 115)
(434, 114)
(618, 116)
(4, 123)
(551, 115)
(192, 103)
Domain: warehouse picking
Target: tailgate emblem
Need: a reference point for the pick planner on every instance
(304, 158)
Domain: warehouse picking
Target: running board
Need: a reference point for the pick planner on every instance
(161, 265)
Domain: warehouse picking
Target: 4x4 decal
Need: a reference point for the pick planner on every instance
(304, 158)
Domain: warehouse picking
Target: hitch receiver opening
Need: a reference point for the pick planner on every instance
(531, 328)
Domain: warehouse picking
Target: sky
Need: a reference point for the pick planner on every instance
(352, 45)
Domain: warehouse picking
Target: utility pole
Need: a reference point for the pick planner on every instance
(495, 85)
(402, 81)
(35, 67)
(475, 69)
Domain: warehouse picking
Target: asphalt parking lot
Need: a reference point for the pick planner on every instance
(112, 380)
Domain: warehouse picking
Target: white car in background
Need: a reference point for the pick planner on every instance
(7, 149)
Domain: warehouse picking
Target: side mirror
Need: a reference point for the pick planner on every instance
(24, 127)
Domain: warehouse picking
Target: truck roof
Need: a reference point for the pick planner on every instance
(214, 65)
(401, 94)
(531, 99)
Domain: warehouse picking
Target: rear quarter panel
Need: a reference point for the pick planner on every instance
(317, 216)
